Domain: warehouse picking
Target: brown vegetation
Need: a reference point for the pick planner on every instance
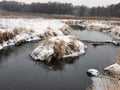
(6, 36)
(62, 48)
(65, 29)
(1, 39)
(38, 15)
(117, 58)
(11, 35)
(108, 86)
(17, 31)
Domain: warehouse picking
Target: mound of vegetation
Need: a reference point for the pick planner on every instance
(57, 48)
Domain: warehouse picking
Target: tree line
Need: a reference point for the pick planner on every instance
(61, 9)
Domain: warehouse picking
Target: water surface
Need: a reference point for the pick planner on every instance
(19, 72)
(91, 35)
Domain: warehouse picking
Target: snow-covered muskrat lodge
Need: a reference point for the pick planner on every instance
(57, 48)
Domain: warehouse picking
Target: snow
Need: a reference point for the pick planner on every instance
(41, 52)
(101, 82)
(93, 72)
(58, 45)
(115, 67)
(69, 39)
(31, 29)
(97, 26)
(109, 27)
(38, 25)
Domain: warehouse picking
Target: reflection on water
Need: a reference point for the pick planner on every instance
(4, 54)
(57, 65)
(19, 72)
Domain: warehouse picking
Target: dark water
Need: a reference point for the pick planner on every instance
(19, 72)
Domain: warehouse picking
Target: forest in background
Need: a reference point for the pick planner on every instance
(61, 9)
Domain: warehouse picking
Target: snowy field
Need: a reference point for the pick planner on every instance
(16, 31)
(53, 36)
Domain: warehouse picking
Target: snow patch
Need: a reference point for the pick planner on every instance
(103, 83)
(93, 72)
(114, 68)
(17, 31)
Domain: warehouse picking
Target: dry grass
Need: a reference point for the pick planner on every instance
(115, 74)
(65, 29)
(90, 87)
(60, 47)
(6, 35)
(73, 38)
(7, 14)
(117, 58)
(10, 35)
(46, 41)
(108, 86)
(1, 39)
(17, 31)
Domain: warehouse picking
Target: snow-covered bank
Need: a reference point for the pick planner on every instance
(106, 27)
(113, 69)
(18, 31)
(109, 82)
(58, 47)
(109, 27)
(101, 82)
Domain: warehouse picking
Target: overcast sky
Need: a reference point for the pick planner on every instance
(89, 3)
